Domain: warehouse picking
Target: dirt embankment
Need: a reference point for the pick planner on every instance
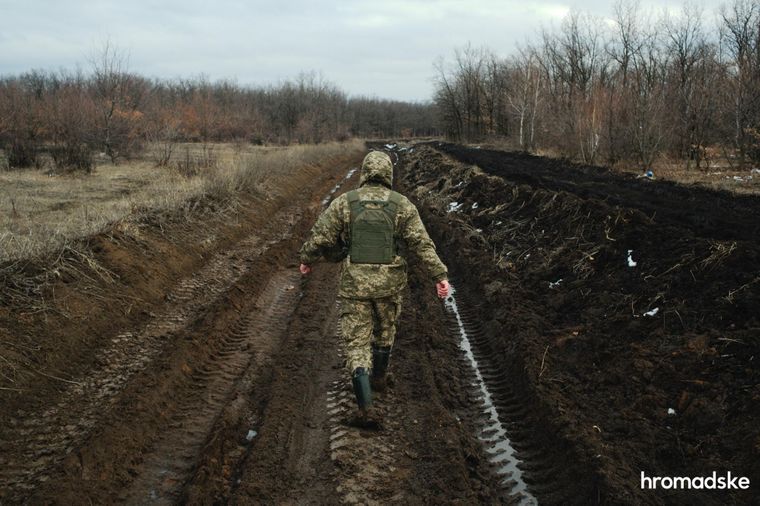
(625, 309)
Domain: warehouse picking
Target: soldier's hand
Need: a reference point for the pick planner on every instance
(305, 269)
(443, 288)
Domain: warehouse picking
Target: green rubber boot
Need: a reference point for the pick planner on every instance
(362, 390)
(381, 356)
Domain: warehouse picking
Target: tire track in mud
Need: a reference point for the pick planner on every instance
(49, 436)
(528, 471)
(493, 434)
(249, 344)
(365, 459)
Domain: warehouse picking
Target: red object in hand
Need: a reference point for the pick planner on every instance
(305, 269)
(443, 288)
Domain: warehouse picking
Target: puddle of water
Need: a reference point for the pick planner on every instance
(494, 436)
(335, 188)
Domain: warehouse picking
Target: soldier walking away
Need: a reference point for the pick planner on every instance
(363, 228)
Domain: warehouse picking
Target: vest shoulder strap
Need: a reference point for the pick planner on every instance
(395, 203)
(353, 196)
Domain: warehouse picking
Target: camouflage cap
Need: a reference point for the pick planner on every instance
(377, 167)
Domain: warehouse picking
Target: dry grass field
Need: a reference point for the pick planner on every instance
(40, 213)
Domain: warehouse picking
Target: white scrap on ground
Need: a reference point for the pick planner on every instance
(671, 411)
(555, 284)
(251, 434)
(653, 312)
(454, 207)
(390, 146)
(475, 205)
(631, 263)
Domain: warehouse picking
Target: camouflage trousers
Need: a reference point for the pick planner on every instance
(367, 322)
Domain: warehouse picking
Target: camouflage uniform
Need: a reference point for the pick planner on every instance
(370, 294)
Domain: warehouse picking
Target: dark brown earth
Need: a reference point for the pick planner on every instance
(186, 361)
(603, 373)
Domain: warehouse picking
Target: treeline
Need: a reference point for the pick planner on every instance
(633, 88)
(67, 117)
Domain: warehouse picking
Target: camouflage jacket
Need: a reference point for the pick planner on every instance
(331, 233)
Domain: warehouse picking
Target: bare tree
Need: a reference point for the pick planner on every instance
(117, 96)
(524, 94)
(740, 35)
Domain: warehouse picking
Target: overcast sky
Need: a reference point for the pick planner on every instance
(383, 48)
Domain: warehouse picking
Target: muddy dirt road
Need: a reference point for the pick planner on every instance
(232, 389)
(228, 385)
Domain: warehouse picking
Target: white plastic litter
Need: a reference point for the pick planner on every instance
(671, 411)
(251, 434)
(390, 146)
(555, 284)
(755, 171)
(652, 312)
(475, 205)
(631, 263)
(454, 207)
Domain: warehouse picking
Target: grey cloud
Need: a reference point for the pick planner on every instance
(384, 48)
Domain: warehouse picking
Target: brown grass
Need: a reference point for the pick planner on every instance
(719, 175)
(41, 214)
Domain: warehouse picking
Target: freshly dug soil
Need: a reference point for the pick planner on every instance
(644, 365)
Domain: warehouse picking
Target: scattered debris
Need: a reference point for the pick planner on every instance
(251, 434)
(671, 411)
(475, 205)
(631, 263)
(555, 284)
(653, 312)
(454, 207)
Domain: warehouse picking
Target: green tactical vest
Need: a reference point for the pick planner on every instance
(373, 226)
